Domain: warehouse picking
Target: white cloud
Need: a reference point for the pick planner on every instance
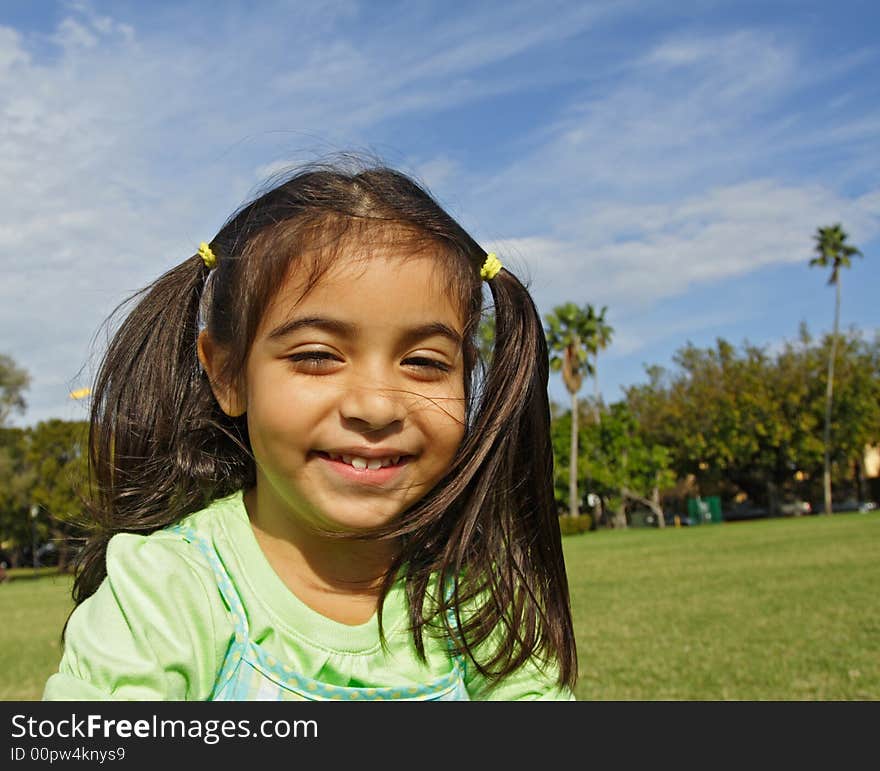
(633, 256)
(438, 170)
(659, 183)
(128, 144)
(11, 51)
(653, 132)
(632, 337)
(122, 148)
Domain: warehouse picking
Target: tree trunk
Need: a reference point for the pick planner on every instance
(653, 503)
(772, 499)
(573, 507)
(859, 469)
(619, 518)
(596, 388)
(657, 508)
(63, 541)
(829, 390)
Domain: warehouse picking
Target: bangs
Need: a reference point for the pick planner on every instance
(306, 252)
(311, 255)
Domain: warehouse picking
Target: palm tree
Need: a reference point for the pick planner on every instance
(13, 383)
(486, 337)
(831, 250)
(599, 341)
(570, 331)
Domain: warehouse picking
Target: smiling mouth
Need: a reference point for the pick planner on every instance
(366, 464)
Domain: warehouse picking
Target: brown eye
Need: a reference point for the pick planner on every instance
(421, 361)
(312, 359)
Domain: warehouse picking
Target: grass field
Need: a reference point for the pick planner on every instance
(781, 609)
(32, 613)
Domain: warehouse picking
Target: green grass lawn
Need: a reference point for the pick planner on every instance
(32, 614)
(781, 609)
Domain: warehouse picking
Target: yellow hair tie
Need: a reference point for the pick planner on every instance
(490, 267)
(207, 255)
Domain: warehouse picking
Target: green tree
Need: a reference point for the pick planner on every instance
(57, 459)
(741, 420)
(831, 251)
(625, 465)
(570, 331)
(855, 422)
(43, 469)
(560, 436)
(599, 341)
(16, 481)
(13, 383)
(720, 413)
(486, 337)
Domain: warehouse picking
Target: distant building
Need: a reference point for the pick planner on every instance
(871, 461)
(871, 472)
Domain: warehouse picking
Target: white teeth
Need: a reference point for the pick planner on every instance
(366, 463)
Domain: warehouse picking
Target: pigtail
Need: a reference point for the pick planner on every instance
(530, 580)
(159, 447)
(490, 531)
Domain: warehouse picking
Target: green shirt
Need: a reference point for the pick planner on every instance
(157, 628)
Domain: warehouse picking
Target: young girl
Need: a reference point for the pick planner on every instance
(308, 485)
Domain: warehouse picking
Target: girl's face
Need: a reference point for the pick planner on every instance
(355, 393)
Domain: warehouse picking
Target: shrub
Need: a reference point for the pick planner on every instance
(574, 525)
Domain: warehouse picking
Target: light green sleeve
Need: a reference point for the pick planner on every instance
(529, 683)
(156, 628)
(533, 681)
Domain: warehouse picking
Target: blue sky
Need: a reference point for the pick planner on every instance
(669, 160)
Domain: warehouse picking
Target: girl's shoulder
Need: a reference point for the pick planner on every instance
(156, 627)
(216, 516)
(178, 551)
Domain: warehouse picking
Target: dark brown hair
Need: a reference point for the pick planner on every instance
(160, 447)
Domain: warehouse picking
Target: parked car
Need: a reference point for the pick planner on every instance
(743, 512)
(795, 508)
(854, 505)
(652, 520)
(47, 556)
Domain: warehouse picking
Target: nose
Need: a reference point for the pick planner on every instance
(372, 406)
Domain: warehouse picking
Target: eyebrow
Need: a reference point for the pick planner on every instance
(349, 330)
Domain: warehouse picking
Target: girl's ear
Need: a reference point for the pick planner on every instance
(212, 356)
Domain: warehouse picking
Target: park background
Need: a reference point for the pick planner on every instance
(664, 165)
